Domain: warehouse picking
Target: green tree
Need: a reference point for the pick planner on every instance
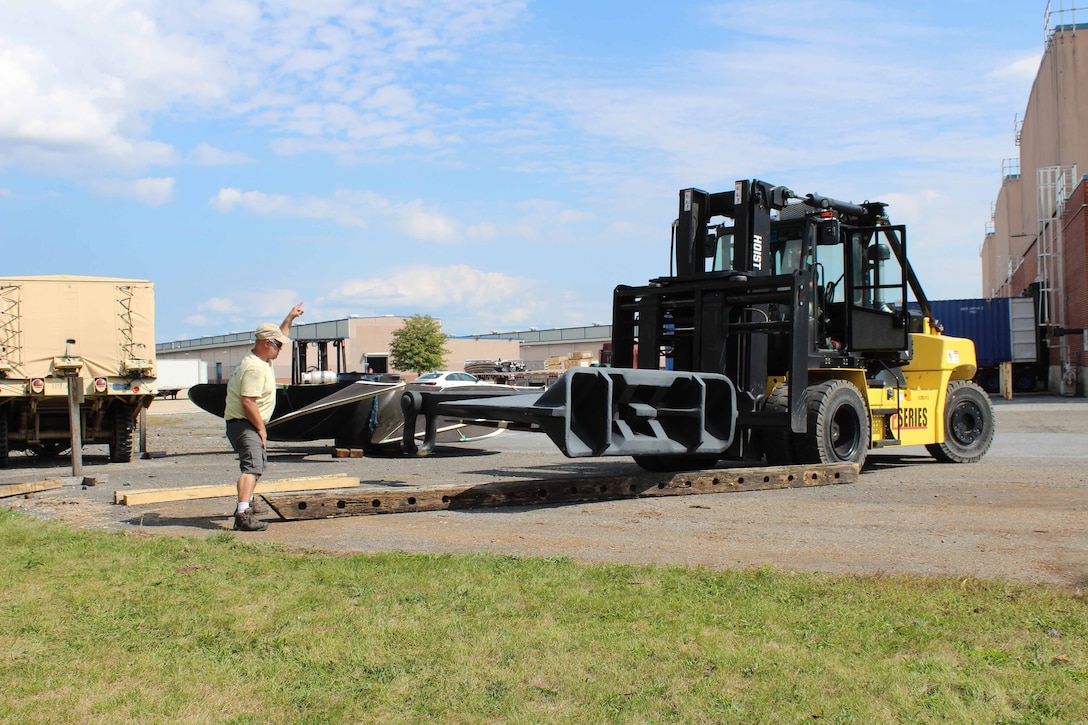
(419, 345)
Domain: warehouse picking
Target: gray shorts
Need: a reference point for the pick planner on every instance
(252, 456)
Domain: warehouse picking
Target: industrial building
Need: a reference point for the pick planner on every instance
(538, 346)
(322, 349)
(1037, 241)
(361, 345)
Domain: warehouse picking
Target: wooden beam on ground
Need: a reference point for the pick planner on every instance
(17, 489)
(375, 500)
(186, 493)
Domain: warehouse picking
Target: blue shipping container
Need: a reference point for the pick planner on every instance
(988, 323)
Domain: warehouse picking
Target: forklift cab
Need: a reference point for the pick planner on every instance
(859, 281)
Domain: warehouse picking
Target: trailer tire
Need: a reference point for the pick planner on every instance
(1023, 381)
(121, 435)
(838, 425)
(989, 380)
(670, 464)
(968, 424)
(3, 438)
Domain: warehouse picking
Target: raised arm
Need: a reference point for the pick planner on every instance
(295, 313)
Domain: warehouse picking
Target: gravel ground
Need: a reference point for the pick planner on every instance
(1020, 514)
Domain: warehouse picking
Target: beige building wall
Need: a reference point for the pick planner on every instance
(463, 349)
(1054, 133)
(999, 257)
(539, 345)
(1015, 260)
(535, 355)
(365, 343)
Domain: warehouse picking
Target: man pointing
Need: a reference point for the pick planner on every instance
(251, 400)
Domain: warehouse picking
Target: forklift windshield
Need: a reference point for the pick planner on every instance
(858, 279)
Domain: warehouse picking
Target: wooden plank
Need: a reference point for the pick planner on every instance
(16, 489)
(186, 493)
(374, 500)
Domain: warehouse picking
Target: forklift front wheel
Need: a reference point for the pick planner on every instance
(838, 425)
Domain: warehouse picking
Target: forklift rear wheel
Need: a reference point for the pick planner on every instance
(968, 424)
(121, 437)
(838, 425)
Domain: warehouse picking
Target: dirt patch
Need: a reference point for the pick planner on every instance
(1019, 514)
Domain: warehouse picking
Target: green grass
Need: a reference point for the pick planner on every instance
(100, 627)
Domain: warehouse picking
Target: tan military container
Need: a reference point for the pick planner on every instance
(95, 333)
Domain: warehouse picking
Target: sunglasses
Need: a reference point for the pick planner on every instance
(277, 343)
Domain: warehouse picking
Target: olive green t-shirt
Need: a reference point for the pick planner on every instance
(253, 378)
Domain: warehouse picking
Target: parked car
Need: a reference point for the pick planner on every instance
(446, 379)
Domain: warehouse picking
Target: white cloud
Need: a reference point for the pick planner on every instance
(244, 310)
(218, 305)
(80, 78)
(84, 81)
(468, 300)
(422, 224)
(1022, 69)
(149, 191)
(348, 209)
(414, 219)
(425, 288)
(207, 155)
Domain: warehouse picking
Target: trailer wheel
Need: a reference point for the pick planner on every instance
(3, 438)
(668, 464)
(778, 443)
(121, 436)
(838, 425)
(1023, 381)
(968, 424)
(989, 380)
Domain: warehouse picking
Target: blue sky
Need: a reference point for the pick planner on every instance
(497, 164)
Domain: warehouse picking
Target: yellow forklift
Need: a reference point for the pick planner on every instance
(802, 302)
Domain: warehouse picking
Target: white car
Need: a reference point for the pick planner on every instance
(446, 379)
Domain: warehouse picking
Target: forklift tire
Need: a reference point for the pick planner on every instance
(968, 424)
(838, 425)
(121, 436)
(670, 464)
(778, 443)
